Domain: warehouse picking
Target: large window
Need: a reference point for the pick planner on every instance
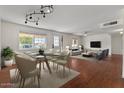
(27, 41)
(56, 41)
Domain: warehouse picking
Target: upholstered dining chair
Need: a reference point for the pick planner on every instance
(63, 60)
(50, 56)
(27, 69)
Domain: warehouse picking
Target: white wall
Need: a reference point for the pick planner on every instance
(10, 32)
(122, 16)
(0, 43)
(104, 38)
(116, 43)
(123, 52)
(122, 19)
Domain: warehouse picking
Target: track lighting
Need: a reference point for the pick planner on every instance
(35, 16)
(36, 23)
(44, 15)
(25, 22)
(30, 17)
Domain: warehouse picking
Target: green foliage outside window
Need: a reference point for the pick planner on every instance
(31, 41)
(26, 40)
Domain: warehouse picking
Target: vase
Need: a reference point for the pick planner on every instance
(8, 62)
(41, 52)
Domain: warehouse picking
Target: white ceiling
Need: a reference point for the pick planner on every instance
(65, 18)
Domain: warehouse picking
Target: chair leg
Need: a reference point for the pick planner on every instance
(23, 82)
(40, 66)
(69, 67)
(20, 82)
(16, 72)
(34, 79)
(18, 75)
(38, 78)
(63, 71)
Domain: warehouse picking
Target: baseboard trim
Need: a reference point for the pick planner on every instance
(118, 54)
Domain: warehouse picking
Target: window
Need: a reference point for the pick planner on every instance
(56, 41)
(74, 43)
(27, 41)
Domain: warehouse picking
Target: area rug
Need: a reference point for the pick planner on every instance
(54, 80)
(91, 59)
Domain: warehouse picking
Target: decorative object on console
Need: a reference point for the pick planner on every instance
(37, 14)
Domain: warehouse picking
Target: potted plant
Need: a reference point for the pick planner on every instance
(7, 54)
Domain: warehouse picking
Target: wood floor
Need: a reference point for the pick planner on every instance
(5, 75)
(101, 74)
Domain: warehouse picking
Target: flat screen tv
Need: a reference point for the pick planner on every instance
(95, 44)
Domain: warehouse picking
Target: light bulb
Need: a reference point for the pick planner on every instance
(30, 17)
(48, 10)
(36, 23)
(25, 22)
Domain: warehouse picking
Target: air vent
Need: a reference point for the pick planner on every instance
(110, 24)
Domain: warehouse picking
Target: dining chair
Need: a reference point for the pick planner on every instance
(50, 56)
(63, 60)
(27, 69)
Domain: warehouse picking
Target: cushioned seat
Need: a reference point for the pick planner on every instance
(61, 62)
(27, 68)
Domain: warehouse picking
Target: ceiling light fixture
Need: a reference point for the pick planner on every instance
(37, 15)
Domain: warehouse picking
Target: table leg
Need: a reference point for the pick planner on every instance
(40, 66)
(47, 64)
(43, 66)
(48, 67)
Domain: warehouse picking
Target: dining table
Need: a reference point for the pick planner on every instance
(40, 59)
(43, 58)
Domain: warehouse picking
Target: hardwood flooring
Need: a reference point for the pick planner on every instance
(101, 74)
(5, 75)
